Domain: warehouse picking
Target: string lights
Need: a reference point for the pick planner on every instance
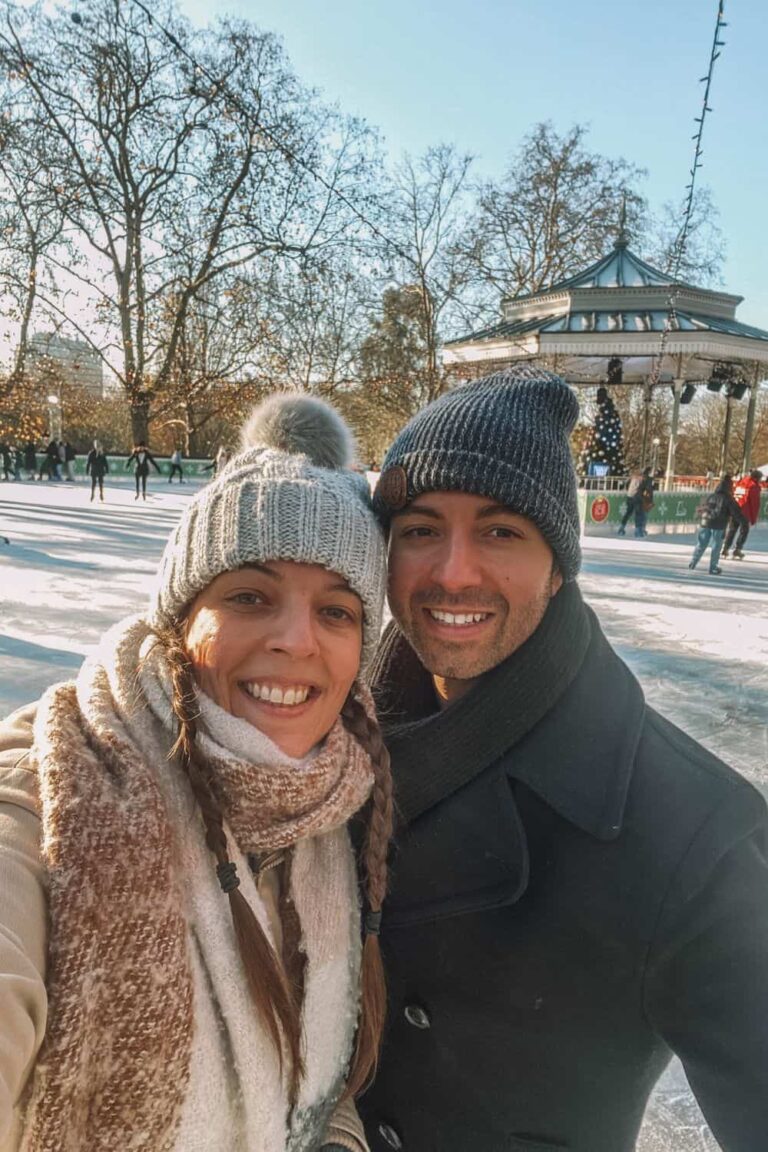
(681, 241)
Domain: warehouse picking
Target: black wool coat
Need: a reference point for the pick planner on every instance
(590, 903)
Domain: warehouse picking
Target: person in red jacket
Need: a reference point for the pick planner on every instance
(746, 493)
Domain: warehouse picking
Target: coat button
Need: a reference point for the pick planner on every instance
(417, 1016)
(389, 1136)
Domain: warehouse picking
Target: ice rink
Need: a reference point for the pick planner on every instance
(697, 643)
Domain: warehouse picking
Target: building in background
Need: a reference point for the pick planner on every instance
(73, 360)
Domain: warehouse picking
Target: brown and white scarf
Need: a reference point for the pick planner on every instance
(152, 1042)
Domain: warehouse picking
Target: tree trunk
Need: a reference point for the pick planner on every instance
(140, 418)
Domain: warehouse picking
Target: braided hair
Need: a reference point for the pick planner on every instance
(275, 987)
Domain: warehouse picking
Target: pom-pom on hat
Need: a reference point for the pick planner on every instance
(289, 494)
(505, 436)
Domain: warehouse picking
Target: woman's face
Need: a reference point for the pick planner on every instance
(278, 645)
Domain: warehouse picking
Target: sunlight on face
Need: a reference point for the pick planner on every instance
(469, 582)
(278, 645)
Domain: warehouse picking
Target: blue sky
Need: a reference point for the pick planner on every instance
(480, 73)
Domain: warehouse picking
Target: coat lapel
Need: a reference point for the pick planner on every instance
(467, 854)
(468, 851)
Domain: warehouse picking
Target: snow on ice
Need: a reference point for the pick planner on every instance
(697, 643)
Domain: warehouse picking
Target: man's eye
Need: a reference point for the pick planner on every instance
(417, 530)
(501, 533)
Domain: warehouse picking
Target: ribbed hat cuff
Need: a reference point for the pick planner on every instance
(446, 470)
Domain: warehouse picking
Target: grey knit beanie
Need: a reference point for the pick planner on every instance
(289, 495)
(505, 437)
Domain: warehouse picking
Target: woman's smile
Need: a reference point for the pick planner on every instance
(278, 645)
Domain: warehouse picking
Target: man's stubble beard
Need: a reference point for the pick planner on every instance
(458, 661)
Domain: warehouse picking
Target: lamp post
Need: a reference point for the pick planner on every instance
(655, 455)
(54, 417)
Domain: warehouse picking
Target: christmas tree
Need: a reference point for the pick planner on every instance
(605, 446)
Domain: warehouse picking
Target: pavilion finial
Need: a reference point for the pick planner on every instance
(622, 240)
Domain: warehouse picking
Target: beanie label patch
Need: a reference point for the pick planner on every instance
(392, 488)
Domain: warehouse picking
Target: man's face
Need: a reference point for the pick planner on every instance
(469, 582)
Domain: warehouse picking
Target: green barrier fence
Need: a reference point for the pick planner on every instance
(672, 511)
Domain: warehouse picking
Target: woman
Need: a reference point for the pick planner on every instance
(714, 513)
(97, 466)
(219, 742)
(142, 458)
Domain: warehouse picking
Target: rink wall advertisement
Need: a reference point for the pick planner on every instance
(601, 512)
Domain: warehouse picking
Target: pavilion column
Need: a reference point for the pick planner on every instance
(726, 433)
(749, 430)
(647, 397)
(677, 388)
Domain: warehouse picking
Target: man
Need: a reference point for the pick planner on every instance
(639, 502)
(578, 889)
(746, 493)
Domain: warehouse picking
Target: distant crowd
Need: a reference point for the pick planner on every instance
(56, 463)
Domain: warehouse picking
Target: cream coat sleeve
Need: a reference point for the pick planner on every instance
(23, 1001)
(346, 1128)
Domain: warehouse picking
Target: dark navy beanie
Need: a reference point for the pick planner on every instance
(505, 437)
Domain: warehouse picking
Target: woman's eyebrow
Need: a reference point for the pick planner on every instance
(263, 568)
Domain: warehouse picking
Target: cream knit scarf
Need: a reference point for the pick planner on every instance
(152, 1043)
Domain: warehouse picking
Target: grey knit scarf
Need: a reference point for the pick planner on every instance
(434, 753)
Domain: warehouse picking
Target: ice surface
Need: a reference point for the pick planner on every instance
(698, 643)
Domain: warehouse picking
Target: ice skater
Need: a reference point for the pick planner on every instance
(713, 514)
(50, 464)
(30, 460)
(143, 458)
(97, 467)
(176, 466)
(218, 462)
(746, 493)
(5, 451)
(639, 502)
(70, 456)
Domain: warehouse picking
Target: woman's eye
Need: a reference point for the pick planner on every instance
(417, 530)
(501, 533)
(336, 612)
(246, 598)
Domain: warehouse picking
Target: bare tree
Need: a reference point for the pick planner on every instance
(163, 156)
(313, 317)
(32, 226)
(702, 259)
(429, 273)
(553, 212)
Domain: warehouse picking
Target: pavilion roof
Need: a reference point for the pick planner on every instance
(619, 299)
(609, 321)
(621, 268)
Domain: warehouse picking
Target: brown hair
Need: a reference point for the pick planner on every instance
(275, 995)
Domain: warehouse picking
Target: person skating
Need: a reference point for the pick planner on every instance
(50, 463)
(218, 462)
(579, 889)
(143, 458)
(30, 460)
(746, 492)
(70, 456)
(639, 502)
(97, 467)
(176, 466)
(181, 923)
(7, 458)
(714, 513)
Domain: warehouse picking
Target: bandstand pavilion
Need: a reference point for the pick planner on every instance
(612, 323)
